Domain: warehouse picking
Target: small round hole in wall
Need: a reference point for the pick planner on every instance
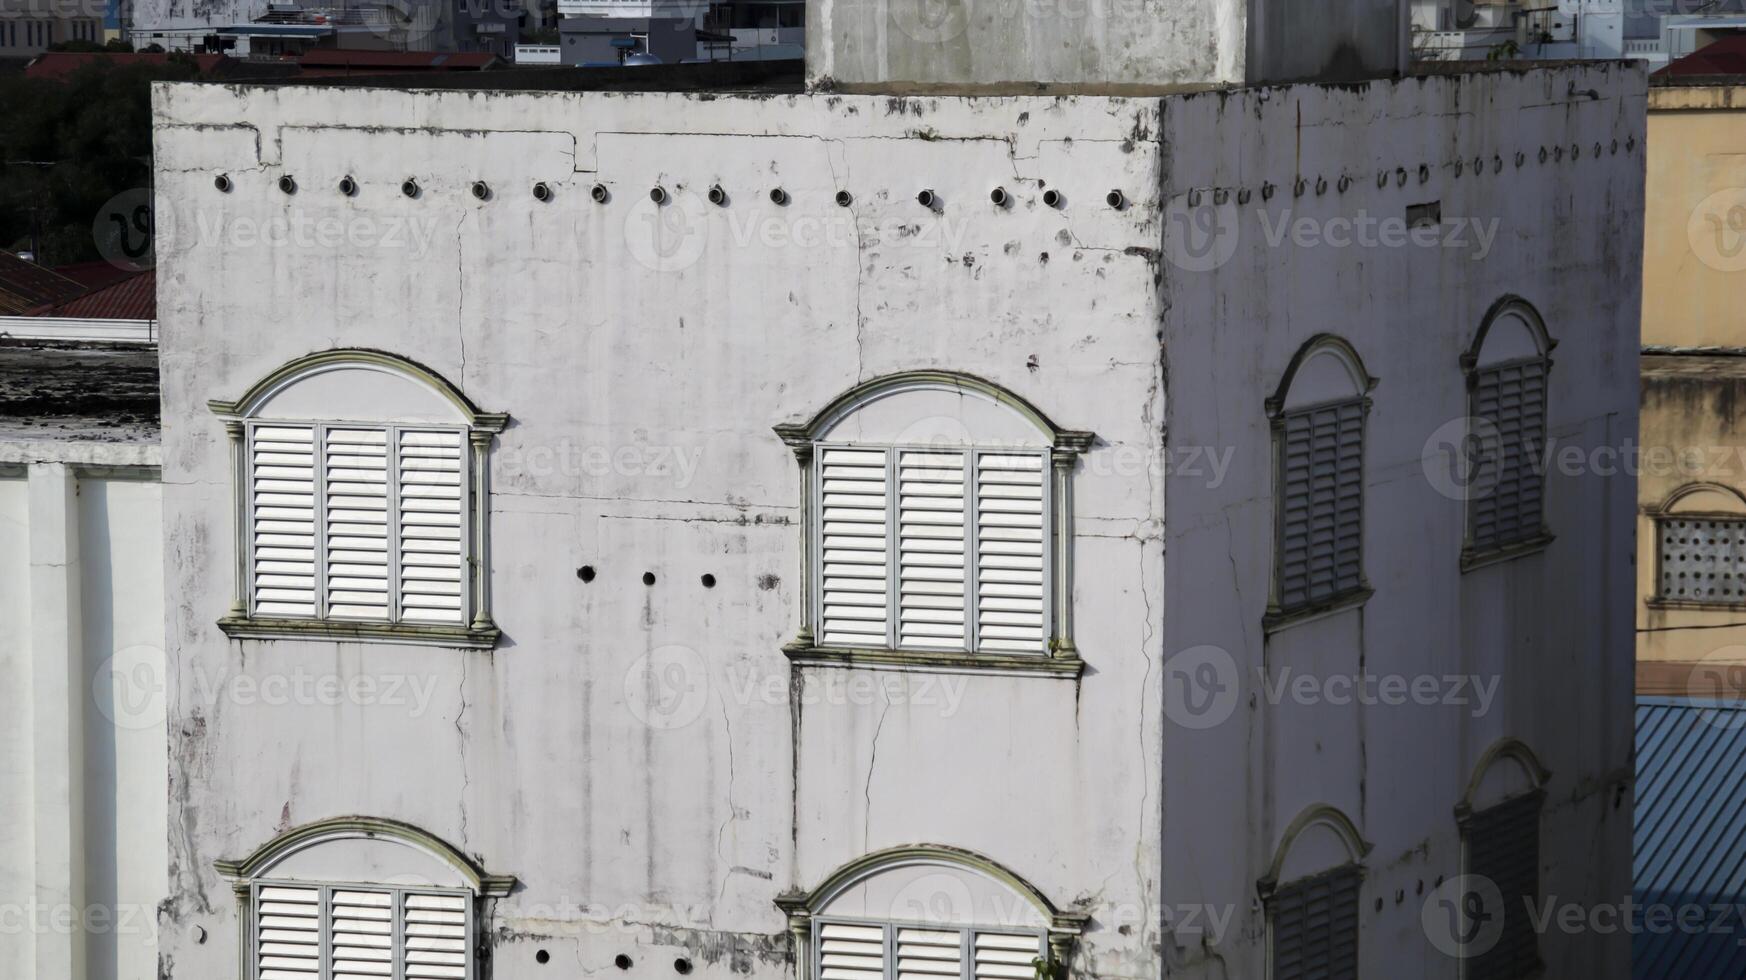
(1053, 198)
(542, 192)
(288, 184)
(542, 957)
(409, 187)
(222, 182)
(682, 966)
(778, 197)
(621, 961)
(717, 196)
(658, 194)
(585, 573)
(648, 578)
(598, 192)
(927, 199)
(844, 199)
(999, 197)
(1116, 199)
(348, 186)
(481, 190)
(708, 580)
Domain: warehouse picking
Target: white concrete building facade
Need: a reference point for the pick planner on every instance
(837, 536)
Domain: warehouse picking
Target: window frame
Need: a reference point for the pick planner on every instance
(893, 600)
(889, 929)
(1668, 510)
(391, 431)
(1472, 556)
(1279, 413)
(1060, 448)
(324, 971)
(476, 629)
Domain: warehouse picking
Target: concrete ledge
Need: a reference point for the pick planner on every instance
(422, 634)
(935, 661)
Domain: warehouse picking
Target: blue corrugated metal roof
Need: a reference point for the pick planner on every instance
(1689, 840)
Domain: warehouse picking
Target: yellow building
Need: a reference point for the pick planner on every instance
(1691, 568)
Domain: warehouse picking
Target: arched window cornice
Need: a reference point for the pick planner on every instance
(270, 854)
(1318, 817)
(1506, 750)
(1676, 502)
(1509, 305)
(1321, 344)
(802, 434)
(309, 365)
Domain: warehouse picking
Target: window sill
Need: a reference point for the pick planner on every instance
(1472, 559)
(1064, 666)
(1713, 605)
(423, 634)
(1279, 619)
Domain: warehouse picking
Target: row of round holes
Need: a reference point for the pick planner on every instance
(681, 965)
(1220, 195)
(586, 573)
(542, 191)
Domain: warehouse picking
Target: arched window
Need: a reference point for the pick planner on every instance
(1700, 547)
(938, 525)
(1506, 369)
(1499, 817)
(1318, 414)
(1311, 896)
(361, 503)
(359, 897)
(921, 912)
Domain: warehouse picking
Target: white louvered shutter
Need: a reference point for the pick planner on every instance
(287, 933)
(1005, 956)
(1322, 504)
(432, 564)
(1010, 536)
(361, 934)
(852, 547)
(850, 952)
(435, 937)
(282, 502)
(355, 491)
(931, 546)
(929, 954)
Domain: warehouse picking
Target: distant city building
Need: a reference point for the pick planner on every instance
(289, 29)
(28, 27)
(1479, 30)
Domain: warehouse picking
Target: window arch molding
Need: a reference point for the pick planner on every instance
(1319, 415)
(405, 417)
(808, 911)
(1511, 754)
(953, 413)
(1499, 819)
(1310, 895)
(1507, 368)
(326, 871)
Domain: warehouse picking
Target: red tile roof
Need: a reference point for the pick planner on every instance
(1724, 57)
(133, 298)
(60, 64)
(25, 286)
(93, 275)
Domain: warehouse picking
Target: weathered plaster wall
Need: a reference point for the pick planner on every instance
(82, 747)
(1552, 630)
(630, 751)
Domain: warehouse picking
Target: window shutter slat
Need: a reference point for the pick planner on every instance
(432, 526)
(282, 498)
(1503, 845)
(929, 954)
(848, 952)
(1005, 956)
(852, 547)
(931, 547)
(1010, 553)
(288, 933)
(360, 934)
(1506, 489)
(355, 493)
(1315, 927)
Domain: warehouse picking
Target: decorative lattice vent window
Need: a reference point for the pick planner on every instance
(1314, 927)
(1319, 414)
(937, 507)
(1701, 559)
(1507, 372)
(361, 503)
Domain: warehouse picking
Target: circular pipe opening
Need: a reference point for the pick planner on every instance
(1000, 197)
(598, 192)
(717, 196)
(778, 197)
(1052, 198)
(621, 961)
(708, 580)
(409, 187)
(288, 184)
(844, 199)
(222, 182)
(648, 578)
(542, 192)
(658, 194)
(927, 199)
(585, 573)
(481, 190)
(1116, 200)
(682, 966)
(542, 957)
(348, 186)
